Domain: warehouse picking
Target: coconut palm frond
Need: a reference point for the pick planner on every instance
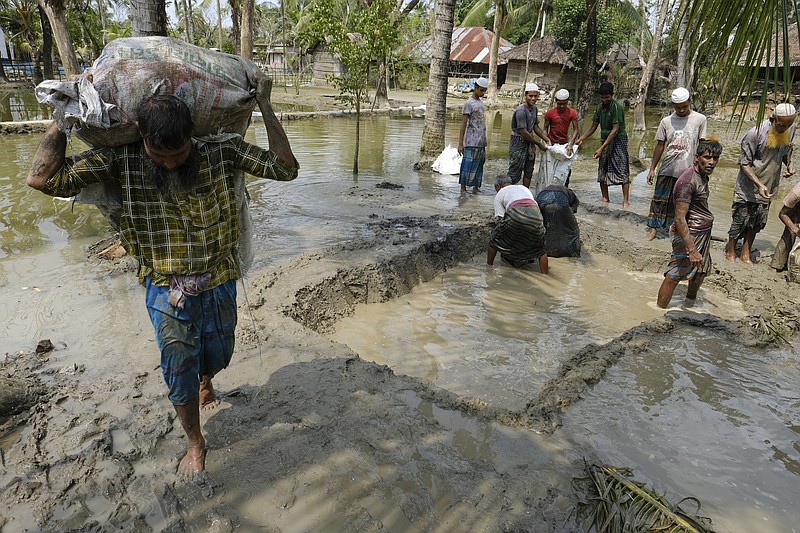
(777, 326)
(622, 505)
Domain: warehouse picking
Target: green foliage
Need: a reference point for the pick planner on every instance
(615, 24)
(622, 505)
(363, 36)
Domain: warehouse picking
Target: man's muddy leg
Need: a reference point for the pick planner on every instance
(208, 396)
(626, 189)
(694, 286)
(604, 192)
(730, 250)
(747, 245)
(194, 461)
(666, 291)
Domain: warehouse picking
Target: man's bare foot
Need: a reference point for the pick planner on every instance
(193, 462)
(476, 190)
(625, 205)
(208, 396)
(651, 234)
(746, 260)
(730, 258)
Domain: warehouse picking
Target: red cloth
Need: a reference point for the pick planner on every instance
(559, 124)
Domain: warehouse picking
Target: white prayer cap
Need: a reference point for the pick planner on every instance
(785, 110)
(680, 95)
(482, 82)
(562, 94)
(531, 87)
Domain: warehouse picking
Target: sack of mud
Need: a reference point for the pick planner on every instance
(448, 162)
(219, 89)
(793, 265)
(554, 167)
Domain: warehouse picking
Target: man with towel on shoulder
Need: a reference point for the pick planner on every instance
(519, 234)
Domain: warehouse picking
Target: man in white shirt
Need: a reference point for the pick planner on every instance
(519, 234)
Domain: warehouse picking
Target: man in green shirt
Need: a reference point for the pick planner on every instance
(180, 221)
(612, 155)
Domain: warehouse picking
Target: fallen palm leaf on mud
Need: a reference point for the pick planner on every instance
(776, 327)
(620, 505)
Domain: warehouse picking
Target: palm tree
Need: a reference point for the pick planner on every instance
(647, 75)
(741, 37)
(504, 12)
(436, 108)
(57, 15)
(148, 17)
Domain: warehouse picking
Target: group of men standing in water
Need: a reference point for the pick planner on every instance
(683, 160)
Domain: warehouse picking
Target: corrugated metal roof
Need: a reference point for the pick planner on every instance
(468, 44)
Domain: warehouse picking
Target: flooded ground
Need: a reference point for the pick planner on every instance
(385, 377)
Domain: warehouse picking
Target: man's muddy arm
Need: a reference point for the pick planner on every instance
(278, 142)
(786, 218)
(657, 153)
(750, 174)
(682, 229)
(49, 157)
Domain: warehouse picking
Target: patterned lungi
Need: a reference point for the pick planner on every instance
(662, 207)
(195, 340)
(747, 216)
(613, 164)
(520, 163)
(519, 237)
(471, 174)
(680, 267)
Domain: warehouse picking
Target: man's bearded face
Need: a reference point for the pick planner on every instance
(173, 171)
(777, 138)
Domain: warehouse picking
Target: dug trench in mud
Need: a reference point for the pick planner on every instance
(405, 261)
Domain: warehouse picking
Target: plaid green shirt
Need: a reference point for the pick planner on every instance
(184, 236)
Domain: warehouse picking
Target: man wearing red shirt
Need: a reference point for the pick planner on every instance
(558, 120)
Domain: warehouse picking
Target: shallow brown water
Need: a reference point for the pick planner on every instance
(496, 333)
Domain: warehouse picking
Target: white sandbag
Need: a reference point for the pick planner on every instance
(554, 166)
(448, 162)
(794, 262)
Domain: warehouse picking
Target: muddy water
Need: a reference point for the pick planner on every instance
(709, 416)
(499, 333)
(47, 290)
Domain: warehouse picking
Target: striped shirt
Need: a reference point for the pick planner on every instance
(188, 235)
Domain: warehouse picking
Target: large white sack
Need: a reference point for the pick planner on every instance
(448, 162)
(554, 166)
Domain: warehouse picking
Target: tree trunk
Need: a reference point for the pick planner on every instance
(189, 22)
(436, 107)
(683, 51)
(148, 17)
(382, 88)
(358, 133)
(236, 23)
(47, 45)
(57, 15)
(246, 28)
(219, 25)
(590, 75)
(494, 51)
(647, 75)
